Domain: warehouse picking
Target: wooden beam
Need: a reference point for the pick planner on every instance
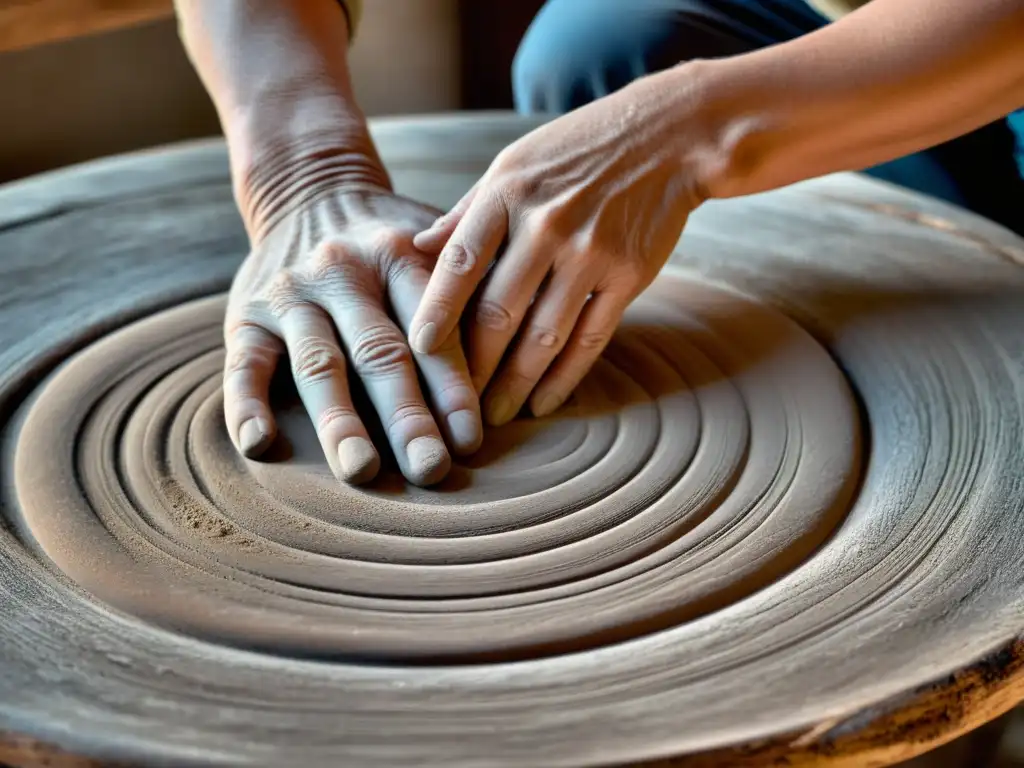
(27, 23)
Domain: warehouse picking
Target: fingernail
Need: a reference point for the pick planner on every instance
(499, 410)
(425, 339)
(358, 459)
(254, 437)
(465, 429)
(547, 404)
(428, 460)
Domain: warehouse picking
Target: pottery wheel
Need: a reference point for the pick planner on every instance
(781, 517)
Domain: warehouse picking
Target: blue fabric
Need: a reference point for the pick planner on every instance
(1016, 123)
(578, 50)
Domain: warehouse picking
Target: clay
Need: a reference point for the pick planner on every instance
(772, 523)
(634, 508)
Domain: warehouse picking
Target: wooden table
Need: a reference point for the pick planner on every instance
(879, 627)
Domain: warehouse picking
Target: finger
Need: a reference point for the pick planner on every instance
(594, 329)
(543, 335)
(498, 311)
(432, 239)
(446, 374)
(383, 361)
(251, 356)
(460, 267)
(318, 366)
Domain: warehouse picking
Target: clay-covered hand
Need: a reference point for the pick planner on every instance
(335, 283)
(591, 205)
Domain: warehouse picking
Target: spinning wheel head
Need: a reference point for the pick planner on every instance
(714, 447)
(778, 521)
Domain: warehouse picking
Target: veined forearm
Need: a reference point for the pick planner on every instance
(895, 77)
(277, 72)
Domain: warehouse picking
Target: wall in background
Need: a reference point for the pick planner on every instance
(134, 88)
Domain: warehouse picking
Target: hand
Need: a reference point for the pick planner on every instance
(592, 205)
(329, 268)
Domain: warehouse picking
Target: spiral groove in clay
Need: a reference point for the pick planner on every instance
(676, 481)
(786, 495)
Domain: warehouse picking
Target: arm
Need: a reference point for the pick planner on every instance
(332, 278)
(277, 72)
(592, 204)
(892, 78)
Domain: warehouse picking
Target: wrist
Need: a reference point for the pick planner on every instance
(867, 89)
(277, 73)
(724, 132)
(290, 152)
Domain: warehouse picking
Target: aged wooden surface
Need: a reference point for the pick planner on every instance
(896, 634)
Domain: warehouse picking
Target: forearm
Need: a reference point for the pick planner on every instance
(277, 72)
(893, 78)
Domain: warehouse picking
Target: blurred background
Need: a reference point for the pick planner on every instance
(85, 78)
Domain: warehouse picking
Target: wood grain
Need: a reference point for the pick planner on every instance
(839, 331)
(28, 23)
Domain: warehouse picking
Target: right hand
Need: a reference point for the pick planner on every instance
(329, 269)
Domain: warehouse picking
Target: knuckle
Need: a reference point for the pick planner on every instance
(593, 340)
(525, 191)
(517, 192)
(402, 268)
(335, 414)
(544, 221)
(633, 275)
(458, 259)
(329, 262)
(519, 377)
(284, 293)
(503, 167)
(588, 240)
(456, 396)
(404, 412)
(380, 350)
(237, 362)
(548, 338)
(244, 359)
(490, 314)
(249, 347)
(508, 173)
(388, 243)
(316, 360)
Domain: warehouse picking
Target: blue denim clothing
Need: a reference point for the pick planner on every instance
(578, 50)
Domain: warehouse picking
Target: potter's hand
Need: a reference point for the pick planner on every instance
(591, 205)
(326, 271)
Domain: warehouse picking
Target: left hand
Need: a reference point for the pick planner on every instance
(333, 284)
(592, 204)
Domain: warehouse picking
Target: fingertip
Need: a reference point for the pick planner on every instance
(358, 459)
(425, 340)
(429, 240)
(255, 436)
(428, 460)
(546, 404)
(500, 409)
(465, 430)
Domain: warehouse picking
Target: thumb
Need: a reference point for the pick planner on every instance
(432, 239)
